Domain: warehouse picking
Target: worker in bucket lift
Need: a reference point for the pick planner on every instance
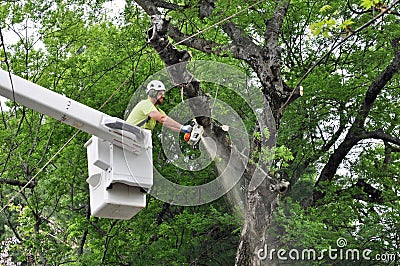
(147, 112)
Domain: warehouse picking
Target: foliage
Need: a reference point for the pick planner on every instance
(80, 50)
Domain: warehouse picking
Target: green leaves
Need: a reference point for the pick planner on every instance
(334, 19)
(4, 11)
(325, 8)
(323, 27)
(347, 24)
(368, 4)
(53, 220)
(328, 26)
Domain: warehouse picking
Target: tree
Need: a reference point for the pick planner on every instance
(344, 54)
(264, 56)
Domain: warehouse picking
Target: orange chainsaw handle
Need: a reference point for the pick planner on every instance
(186, 137)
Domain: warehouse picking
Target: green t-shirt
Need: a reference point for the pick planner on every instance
(141, 112)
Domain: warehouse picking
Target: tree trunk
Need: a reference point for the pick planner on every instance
(261, 191)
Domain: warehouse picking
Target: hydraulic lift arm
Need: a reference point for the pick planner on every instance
(119, 154)
(69, 111)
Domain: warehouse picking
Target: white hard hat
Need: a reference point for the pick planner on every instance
(155, 85)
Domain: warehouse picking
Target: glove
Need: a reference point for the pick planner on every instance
(186, 128)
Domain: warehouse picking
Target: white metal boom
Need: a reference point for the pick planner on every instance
(119, 154)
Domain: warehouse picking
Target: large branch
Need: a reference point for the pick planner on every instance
(265, 61)
(274, 24)
(149, 7)
(379, 134)
(166, 5)
(18, 183)
(197, 43)
(377, 86)
(368, 192)
(356, 131)
(205, 9)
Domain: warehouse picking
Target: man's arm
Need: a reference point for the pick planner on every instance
(166, 120)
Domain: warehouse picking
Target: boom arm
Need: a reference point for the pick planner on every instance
(120, 161)
(71, 112)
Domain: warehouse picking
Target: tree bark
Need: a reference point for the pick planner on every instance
(261, 193)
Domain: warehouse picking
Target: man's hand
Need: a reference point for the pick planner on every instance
(186, 128)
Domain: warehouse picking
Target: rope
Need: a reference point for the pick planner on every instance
(219, 22)
(335, 46)
(209, 27)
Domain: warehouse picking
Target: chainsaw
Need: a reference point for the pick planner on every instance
(193, 137)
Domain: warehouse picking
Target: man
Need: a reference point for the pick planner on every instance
(147, 113)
